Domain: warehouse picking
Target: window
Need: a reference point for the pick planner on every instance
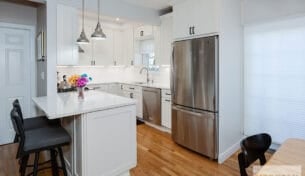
(275, 79)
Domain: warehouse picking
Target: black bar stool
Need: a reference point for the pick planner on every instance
(253, 148)
(37, 140)
(33, 123)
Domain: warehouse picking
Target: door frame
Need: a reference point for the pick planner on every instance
(33, 65)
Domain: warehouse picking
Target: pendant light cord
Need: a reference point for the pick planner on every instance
(98, 7)
(83, 13)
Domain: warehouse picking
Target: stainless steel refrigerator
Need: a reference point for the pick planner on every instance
(194, 84)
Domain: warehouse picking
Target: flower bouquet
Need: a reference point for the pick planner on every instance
(79, 81)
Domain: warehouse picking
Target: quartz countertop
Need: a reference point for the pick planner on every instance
(68, 104)
(154, 85)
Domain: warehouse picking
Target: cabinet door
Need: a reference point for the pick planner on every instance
(166, 116)
(202, 15)
(139, 106)
(127, 94)
(182, 14)
(166, 39)
(103, 49)
(67, 28)
(128, 40)
(118, 58)
(157, 42)
(85, 58)
(206, 16)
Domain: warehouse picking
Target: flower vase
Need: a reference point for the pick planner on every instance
(80, 91)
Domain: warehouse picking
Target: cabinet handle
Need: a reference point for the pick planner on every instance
(193, 30)
(93, 62)
(167, 94)
(190, 30)
(131, 88)
(168, 100)
(131, 95)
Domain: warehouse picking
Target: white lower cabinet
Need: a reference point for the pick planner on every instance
(166, 115)
(166, 109)
(97, 140)
(134, 92)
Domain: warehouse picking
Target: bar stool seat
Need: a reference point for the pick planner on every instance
(37, 140)
(34, 122)
(45, 138)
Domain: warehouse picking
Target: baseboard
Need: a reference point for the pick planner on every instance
(222, 157)
(160, 128)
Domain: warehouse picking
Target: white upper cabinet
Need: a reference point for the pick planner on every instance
(67, 33)
(166, 39)
(116, 49)
(86, 58)
(157, 44)
(103, 49)
(128, 44)
(118, 57)
(195, 17)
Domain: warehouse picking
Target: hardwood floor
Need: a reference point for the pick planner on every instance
(158, 155)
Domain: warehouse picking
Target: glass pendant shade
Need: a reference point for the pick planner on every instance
(82, 38)
(98, 33)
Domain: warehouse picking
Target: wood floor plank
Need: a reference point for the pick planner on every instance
(157, 155)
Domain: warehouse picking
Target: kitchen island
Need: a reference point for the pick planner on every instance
(102, 128)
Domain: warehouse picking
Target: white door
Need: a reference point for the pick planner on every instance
(15, 77)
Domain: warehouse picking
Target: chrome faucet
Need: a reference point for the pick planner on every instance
(147, 73)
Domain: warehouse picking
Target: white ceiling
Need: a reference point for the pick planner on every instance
(153, 4)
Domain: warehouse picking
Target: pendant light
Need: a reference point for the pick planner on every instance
(82, 38)
(98, 33)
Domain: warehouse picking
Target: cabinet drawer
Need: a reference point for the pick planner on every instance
(166, 93)
(132, 88)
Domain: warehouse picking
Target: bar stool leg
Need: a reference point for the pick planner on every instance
(23, 164)
(54, 163)
(62, 160)
(35, 169)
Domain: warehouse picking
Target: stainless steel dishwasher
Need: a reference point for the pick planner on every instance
(152, 105)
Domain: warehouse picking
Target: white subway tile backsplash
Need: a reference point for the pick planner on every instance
(102, 74)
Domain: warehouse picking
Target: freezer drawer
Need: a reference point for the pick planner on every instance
(195, 130)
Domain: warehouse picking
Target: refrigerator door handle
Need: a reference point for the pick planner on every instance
(186, 111)
(172, 81)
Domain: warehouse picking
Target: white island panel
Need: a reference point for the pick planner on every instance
(102, 128)
(115, 144)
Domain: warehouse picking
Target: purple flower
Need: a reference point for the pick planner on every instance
(82, 82)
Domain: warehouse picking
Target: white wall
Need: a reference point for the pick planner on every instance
(23, 15)
(18, 14)
(230, 79)
(266, 10)
(117, 74)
